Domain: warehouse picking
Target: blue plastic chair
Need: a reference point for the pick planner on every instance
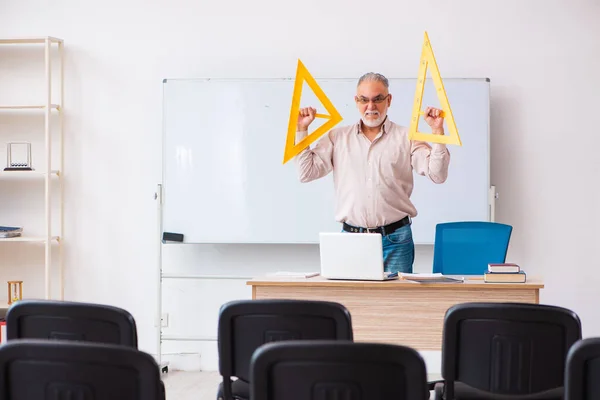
(466, 248)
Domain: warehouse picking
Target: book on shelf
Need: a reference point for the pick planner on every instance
(10, 231)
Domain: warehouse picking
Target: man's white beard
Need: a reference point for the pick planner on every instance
(372, 123)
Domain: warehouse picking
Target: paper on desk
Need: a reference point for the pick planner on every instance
(291, 274)
(421, 276)
(437, 277)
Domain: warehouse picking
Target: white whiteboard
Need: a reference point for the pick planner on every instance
(223, 177)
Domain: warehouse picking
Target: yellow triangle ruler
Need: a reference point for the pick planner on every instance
(333, 117)
(451, 137)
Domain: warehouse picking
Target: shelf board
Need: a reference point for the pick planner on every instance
(26, 174)
(34, 239)
(28, 107)
(30, 40)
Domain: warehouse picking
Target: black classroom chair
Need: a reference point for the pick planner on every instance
(300, 370)
(245, 325)
(505, 351)
(33, 369)
(65, 320)
(74, 321)
(582, 375)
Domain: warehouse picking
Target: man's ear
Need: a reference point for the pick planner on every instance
(389, 99)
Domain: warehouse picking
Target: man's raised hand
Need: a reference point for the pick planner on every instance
(306, 116)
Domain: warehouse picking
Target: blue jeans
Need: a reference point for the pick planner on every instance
(399, 250)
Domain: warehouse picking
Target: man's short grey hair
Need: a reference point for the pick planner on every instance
(374, 76)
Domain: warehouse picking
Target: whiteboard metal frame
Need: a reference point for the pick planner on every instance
(490, 214)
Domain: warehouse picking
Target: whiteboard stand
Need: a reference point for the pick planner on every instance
(253, 111)
(158, 322)
(164, 365)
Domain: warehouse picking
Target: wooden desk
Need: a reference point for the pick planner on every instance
(398, 311)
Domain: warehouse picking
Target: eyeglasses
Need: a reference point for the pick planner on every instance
(378, 99)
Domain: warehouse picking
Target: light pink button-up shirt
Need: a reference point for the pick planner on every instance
(373, 181)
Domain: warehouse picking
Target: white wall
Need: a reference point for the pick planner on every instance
(543, 59)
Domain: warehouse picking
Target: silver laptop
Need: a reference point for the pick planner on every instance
(353, 256)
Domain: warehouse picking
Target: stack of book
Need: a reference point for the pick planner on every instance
(10, 232)
(505, 273)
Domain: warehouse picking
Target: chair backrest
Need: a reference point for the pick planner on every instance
(507, 348)
(244, 325)
(42, 369)
(337, 370)
(64, 320)
(582, 374)
(466, 248)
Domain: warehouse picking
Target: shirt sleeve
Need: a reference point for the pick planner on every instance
(430, 160)
(317, 162)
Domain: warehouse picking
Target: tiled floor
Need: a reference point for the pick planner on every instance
(182, 385)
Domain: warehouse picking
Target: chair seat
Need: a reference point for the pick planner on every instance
(239, 389)
(463, 391)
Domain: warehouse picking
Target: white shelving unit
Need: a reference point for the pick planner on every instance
(54, 177)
